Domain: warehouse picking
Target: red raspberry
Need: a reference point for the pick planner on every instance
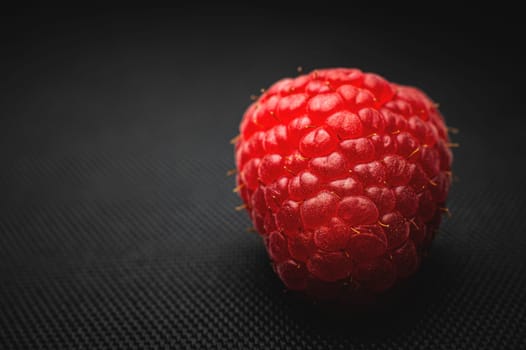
(344, 175)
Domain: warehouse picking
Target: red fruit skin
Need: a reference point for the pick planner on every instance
(343, 174)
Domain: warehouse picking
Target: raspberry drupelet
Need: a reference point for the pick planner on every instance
(345, 176)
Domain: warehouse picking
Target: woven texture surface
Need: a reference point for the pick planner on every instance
(118, 227)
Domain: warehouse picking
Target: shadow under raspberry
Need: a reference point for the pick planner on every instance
(398, 311)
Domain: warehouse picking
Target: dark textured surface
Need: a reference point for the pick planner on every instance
(117, 225)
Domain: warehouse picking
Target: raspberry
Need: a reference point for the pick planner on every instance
(344, 175)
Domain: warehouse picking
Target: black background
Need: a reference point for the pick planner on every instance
(117, 221)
